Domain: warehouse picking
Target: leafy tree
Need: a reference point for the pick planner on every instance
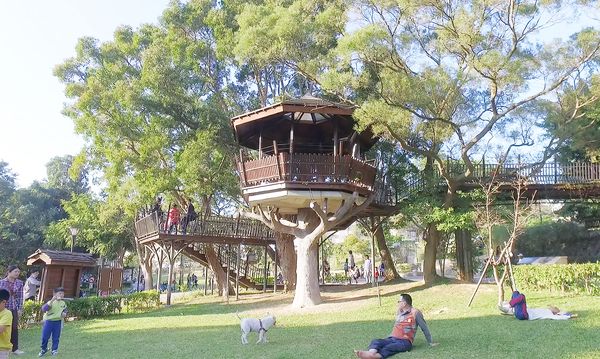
(61, 174)
(153, 105)
(25, 218)
(444, 77)
(102, 228)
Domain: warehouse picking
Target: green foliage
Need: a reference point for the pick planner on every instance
(355, 244)
(566, 278)
(141, 301)
(336, 278)
(32, 313)
(449, 220)
(550, 239)
(104, 229)
(153, 105)
(64, 173)
(24, 219)
(95, 307)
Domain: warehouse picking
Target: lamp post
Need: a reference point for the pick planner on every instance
(74, 232)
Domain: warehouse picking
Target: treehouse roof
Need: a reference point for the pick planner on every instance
(314, 120)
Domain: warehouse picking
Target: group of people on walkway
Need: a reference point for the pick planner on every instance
(175, 221)
(354, 272)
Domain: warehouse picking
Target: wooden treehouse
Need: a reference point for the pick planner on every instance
(303, 150)
(304, 173)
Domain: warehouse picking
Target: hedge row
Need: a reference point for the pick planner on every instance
(94, 307)
(566, 278)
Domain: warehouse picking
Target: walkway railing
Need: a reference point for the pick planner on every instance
(212, 226)
(552, 173)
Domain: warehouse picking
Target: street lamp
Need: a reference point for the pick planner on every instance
(74, 232)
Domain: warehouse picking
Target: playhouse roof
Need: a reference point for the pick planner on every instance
(64, 258)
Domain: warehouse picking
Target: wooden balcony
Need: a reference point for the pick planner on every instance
(309, 171)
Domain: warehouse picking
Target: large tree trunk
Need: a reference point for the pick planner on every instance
(307, 282)
(432, 238)
(145, 262)
(170, 282)
(386, 256)
(287, 260)
(216, 267)
(464, 254)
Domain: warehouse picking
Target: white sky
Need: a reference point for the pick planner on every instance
(34, 37)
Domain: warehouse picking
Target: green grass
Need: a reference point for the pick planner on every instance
(207, 328)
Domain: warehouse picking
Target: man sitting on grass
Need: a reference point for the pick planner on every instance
(403, 332)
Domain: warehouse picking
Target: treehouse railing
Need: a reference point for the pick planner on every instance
(307, 168)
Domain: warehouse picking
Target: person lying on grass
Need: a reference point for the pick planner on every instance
(518, 307)
(408, 319)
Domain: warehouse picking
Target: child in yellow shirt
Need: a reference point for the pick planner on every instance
(5, 325)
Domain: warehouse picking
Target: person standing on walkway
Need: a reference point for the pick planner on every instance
(368, 270)
(14, 286)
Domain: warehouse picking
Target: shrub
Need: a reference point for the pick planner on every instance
(32, 313)
(336, 278)
(550, 239)
(566, 278)
(94, 307)
(141, 301)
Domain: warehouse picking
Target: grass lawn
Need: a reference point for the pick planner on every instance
(199, 327)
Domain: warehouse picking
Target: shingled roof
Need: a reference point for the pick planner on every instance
(64, 258)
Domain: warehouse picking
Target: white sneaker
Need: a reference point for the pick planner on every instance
(18, 352)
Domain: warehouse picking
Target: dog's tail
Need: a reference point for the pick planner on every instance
(238, 315)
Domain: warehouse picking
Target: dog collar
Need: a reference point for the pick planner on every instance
(261, 326)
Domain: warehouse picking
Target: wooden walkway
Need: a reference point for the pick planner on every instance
(548, 181)
(214, 229)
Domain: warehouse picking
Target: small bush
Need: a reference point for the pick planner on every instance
(566, 278)
(141, 301)
(32, 313)
(336, 278)
(94, 307)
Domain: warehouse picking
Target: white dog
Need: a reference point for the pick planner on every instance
(261, 326)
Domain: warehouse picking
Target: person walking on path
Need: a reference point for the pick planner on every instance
(31, 285)
(351, 259)
(14, 286)
(408, 319)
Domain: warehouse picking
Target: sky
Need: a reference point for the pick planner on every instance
(35, 36)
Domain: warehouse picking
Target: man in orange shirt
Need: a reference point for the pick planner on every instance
(408, 319)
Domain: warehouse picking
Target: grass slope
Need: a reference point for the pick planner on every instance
(201, 327)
